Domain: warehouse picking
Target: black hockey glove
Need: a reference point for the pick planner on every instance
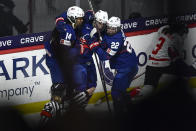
(81, 98)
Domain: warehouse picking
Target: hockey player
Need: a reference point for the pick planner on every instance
(166, 58)
(87, 37)
(122, 58)
(99, 25)
(85, 58)
(75, 18)
(61, 58)
(52, 109)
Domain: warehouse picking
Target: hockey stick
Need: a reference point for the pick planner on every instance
(99, 64)
(139, 75)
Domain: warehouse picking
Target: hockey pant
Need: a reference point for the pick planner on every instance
(80, 97)
(153, 75)
(178, 68)
(91, 74)
(55, 72)
(121, 82)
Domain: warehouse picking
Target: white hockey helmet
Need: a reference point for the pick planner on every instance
(74, 12)
(114, 22)
(113, 25)
(101, 16)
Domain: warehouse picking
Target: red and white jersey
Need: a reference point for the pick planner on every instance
(160, 54)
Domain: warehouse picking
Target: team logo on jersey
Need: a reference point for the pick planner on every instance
(108, 74)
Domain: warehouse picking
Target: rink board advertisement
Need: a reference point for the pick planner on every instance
(25, 78)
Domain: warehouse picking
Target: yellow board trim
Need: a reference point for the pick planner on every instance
(36, 107)
(30, 107)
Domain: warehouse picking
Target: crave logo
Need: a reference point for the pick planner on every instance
(32, 39)
(5, 43)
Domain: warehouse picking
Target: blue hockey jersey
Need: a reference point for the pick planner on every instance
(118, 51)
(84, 35)
(67, 33)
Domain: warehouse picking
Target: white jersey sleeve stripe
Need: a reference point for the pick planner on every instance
(111, 52)
(65, 42)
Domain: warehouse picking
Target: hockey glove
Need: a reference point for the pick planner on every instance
(94, 46)
(82, 40)
(81, 98)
